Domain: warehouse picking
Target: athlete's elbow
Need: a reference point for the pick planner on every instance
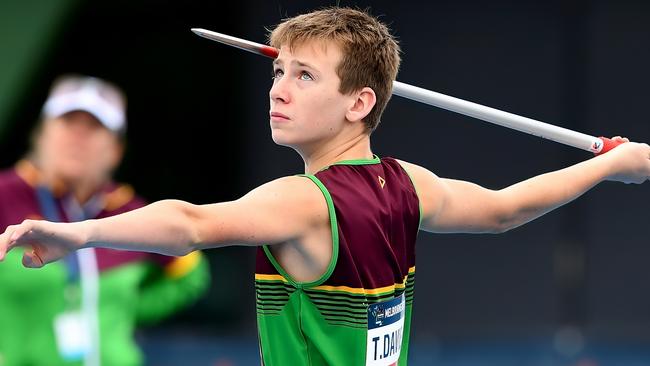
(506, 215)
(514, 220)
(184, 233)
(501, 228)
(192, 231)
(495, 228)
(505, 222)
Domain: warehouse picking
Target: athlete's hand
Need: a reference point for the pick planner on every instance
(44, 241)
(629, 162)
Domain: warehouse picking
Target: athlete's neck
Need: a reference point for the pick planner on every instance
(353, 149)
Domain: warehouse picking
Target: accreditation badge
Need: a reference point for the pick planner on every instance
(72, 335)
(385, 329)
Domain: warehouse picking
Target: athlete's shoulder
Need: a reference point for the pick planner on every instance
(281, 210)
(296, 185)
(416, 171)
(293, 192)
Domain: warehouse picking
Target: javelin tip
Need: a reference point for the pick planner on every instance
(198, 31)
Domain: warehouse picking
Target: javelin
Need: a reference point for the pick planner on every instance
(597, 145)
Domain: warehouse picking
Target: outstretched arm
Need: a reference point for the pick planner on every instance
(457, 206)
(279, 211)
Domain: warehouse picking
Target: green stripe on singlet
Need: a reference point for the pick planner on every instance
(410, 287)
(272, 295)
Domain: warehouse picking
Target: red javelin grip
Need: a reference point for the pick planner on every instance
(608, 144)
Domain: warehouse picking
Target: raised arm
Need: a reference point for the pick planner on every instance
(279, 211)
(457, 206)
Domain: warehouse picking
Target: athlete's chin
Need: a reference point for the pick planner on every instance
(283, 138)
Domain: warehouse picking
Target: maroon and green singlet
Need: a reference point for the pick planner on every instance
(359, 311)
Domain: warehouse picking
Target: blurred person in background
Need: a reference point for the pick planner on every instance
(83, 310)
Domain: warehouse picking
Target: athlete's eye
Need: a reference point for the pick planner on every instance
(306, 76)
(277, 73)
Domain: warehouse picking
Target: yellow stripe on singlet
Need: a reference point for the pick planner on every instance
(269, 277)
(361, 291)
(351, 290)
(364, 291)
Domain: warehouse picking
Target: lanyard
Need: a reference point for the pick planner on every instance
(82, 265)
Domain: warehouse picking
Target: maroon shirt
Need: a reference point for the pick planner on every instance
(378, 215)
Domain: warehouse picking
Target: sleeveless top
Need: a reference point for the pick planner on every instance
(359, 311)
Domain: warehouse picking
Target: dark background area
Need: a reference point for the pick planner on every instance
(198, 131)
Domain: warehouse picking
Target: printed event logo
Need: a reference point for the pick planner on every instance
(378, 313)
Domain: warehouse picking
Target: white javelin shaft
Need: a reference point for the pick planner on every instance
(492, 115)
(501, 118)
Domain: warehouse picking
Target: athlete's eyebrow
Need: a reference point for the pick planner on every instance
(279, 62)
(304, 64)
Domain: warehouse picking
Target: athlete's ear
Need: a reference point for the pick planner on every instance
(362, 103)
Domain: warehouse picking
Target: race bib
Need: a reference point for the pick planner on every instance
(72, 335)
(385, 328)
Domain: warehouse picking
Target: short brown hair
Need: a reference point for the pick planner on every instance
(370, 53)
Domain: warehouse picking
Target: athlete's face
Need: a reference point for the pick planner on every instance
(306, 105)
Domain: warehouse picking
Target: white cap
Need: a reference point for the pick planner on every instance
(98, 97)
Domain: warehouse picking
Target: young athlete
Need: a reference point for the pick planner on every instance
(336, 257)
